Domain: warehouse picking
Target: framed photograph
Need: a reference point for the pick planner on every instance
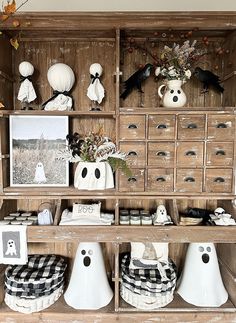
(34, 144)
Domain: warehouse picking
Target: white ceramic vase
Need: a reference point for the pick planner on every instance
(173, 96)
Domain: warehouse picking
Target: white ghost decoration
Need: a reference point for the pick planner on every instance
(200, 282)
(26, 91)
(161, 217)
(93, 176)
(39, 176)
(95, 90)
(88, 287)
(11, 248)
(61, 78)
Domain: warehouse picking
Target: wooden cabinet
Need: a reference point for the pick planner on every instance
(179, 157)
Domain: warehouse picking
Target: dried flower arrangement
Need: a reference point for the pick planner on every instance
(175, 62)
(94, 147)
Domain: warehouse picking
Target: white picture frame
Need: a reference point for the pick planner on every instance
(34, 143)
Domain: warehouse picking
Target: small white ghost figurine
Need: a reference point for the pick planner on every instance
(161, 217)
(39, 176)
(26, 91)
(95, 90)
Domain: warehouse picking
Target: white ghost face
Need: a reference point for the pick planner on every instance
(161, 211)
(205, 253)
(86, 257)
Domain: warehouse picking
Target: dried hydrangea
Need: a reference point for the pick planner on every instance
(176, 61)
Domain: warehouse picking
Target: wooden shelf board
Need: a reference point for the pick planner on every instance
(58, 113)
(185, 110)
(72, 193)
(120, 233)
(61, 312)
(179, 305)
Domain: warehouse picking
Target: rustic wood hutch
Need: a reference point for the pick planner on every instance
(79, 39)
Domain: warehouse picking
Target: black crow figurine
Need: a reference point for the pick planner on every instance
(136, 79)
(208, 79)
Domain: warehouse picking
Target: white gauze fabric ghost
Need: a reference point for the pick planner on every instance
(26, 91)
(61, 78)
(95, 90)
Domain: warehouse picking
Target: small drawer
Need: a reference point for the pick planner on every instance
(220, 154)
(221, 127)
(161, 154)
(132, 127)
(161, 126)
(219, 180)
(189, 180)
(191, 126)
(134, 183)
(160, 180)
(135, 153)
(190, 153)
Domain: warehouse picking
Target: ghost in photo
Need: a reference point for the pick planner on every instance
(39, 176)
(11, 248)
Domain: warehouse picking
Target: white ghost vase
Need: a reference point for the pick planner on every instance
(174, 96)
(93, 176)
(200, 282)
(88, 287)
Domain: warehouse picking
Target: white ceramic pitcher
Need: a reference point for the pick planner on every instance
(174, 96)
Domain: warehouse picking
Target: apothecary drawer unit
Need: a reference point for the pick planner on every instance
(161, 127)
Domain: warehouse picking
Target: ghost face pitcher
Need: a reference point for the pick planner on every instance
(174, 96)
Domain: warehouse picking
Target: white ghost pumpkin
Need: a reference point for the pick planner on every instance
(93, 176)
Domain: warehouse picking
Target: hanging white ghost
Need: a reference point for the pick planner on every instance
(26, 91)
(61, 78)
(88, 287)
(95, 90)
(39, 176)
(93, 176)
(200, 282)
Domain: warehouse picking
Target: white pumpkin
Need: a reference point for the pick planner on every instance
(61, 77)
(95, 68)
(26, 69)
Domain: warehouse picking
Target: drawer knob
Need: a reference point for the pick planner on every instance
(190, 153)
(220, 153)
(192, 126)
(161, 153)
(219, 180)
(189, 179)
(161, 126)
(132, 179)
(132, 153)
(221, 125)
(132, 126)
(160, 179)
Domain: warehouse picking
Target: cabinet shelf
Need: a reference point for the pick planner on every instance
(73, 193)
(120, 234)
(102, 114)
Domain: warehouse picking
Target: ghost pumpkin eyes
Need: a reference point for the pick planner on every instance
(201, 249)
(97, 173)
(83, 252)
(171, 91)
(178, 91)
(90, 252)
(209, 249)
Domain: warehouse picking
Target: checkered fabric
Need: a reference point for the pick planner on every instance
(42, 275)
(148, 282)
